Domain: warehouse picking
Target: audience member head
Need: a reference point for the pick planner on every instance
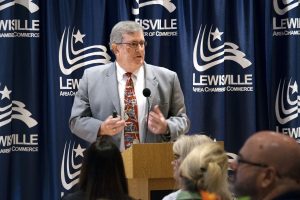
(183, 145)
(205, 169)
(102, 173)
(268, 166)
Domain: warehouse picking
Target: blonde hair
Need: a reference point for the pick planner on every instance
(185, 143)
(205, 168)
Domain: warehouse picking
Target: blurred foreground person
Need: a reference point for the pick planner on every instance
(181, 148)
(102, 174)
(268, 168)
(204, 170)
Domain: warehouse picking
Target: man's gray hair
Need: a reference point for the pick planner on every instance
(123, 27)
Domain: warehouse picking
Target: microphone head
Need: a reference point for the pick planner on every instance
(146, 92)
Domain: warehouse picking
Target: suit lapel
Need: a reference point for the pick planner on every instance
(152, 84)
(112, 87)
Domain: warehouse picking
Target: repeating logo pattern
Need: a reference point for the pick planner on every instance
(32, 7)
(14, 110)
(287, 5)
(23, 27)
(80, 57)
(70, 165)
(216, 54)
(156, 26)
(285, 25)
(287, 103)
(167, 4)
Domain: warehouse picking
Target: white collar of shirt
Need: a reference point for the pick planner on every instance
(138, 74)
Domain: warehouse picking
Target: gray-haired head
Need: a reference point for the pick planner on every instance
(185, 143)
(121, 28)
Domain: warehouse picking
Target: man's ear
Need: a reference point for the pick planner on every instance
(268, 177)
(114, 48)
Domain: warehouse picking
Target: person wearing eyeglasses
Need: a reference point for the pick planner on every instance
(268, 168)
(181, 148)
(118, 88)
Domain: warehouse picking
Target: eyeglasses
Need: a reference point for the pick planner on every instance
(239, 160)
(176, 156)
(135, 44)
(175, 160)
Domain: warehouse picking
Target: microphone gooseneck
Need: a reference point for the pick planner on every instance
(147, 94)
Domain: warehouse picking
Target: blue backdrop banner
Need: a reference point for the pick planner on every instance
(237, 62)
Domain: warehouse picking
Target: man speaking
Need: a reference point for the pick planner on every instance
(130, 100)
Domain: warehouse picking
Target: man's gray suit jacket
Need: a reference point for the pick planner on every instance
(98, 97)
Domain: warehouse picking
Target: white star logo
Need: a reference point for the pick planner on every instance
(5, 93)
(79, 37)
(79, 151)
(294, 87)
(217, 34)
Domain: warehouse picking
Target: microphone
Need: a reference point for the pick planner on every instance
(114, 114)
(147, 94)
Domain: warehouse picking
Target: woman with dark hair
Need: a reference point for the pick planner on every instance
(102, 174)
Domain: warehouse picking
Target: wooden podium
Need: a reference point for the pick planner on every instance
(148, 167)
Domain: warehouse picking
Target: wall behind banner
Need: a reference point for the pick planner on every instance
(237, 62)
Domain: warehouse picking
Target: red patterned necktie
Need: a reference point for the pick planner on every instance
(131, 130)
